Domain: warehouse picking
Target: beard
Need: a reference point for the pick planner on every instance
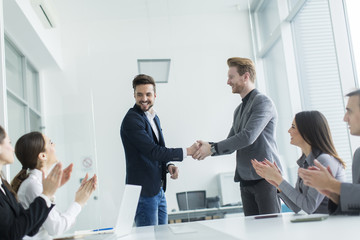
(146, 107)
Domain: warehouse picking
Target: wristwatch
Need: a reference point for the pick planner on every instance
(212, 149)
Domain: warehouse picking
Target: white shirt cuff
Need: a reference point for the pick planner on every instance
(184, 153)
(47, 200)
(75, 207)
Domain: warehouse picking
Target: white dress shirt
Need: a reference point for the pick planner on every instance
(150, 116)
(2, 187)
(57, 222)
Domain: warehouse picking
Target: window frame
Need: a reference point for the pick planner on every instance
(284, 32)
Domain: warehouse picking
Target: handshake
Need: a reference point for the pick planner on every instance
(199, 150)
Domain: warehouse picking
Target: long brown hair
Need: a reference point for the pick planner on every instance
(27, 150)
(7, 185)
(314, 129)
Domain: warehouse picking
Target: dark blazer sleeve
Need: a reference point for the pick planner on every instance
(350, 192)
(349, 200)
(16, 222)
(134, 129)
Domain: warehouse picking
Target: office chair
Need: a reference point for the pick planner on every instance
(191, 200)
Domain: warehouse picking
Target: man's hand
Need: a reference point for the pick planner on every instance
(192, 149)
(322, 180)
(174, 171)
(203, 151)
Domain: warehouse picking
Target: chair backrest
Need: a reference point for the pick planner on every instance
(191, 200)
(213, 202)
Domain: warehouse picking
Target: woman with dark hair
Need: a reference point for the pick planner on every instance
(36, 152)
(310, 132)
(16, 222)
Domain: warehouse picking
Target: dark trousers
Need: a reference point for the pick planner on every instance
(260, 198)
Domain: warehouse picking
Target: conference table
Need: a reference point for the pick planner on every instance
(277, 227)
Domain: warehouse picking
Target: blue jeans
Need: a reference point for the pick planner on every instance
(151, 210)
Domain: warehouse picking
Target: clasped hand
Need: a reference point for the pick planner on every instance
(199, 150)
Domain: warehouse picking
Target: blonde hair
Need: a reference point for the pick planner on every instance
(243, 65)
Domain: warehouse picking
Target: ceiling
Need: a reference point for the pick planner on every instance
(70, 11)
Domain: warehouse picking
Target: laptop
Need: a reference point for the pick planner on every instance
(125, 218)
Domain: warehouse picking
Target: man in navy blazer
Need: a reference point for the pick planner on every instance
(252, 136)
(147, 158)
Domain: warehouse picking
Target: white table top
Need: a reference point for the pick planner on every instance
(279, 228)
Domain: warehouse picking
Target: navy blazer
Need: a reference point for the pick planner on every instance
(16, 222)
(146, 157)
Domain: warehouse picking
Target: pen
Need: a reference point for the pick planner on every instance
(102, 229)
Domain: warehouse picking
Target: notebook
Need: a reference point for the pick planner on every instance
(125, 218)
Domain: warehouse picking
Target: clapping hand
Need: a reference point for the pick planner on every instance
(52, 182)
(268, 170)
(66, 174)
(85, 190)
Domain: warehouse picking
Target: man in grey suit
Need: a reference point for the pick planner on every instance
(252, 136)
(344, 197)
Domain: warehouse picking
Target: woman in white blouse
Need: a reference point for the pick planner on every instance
(36, 152)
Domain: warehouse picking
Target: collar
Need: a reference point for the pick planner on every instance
(309, 159)
(36, 173)
(246, 98)
(150, 115)
(1, 186)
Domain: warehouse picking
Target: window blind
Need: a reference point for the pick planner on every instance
(319, 73)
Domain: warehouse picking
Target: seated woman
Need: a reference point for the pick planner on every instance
(310, 132)
(36, 152)
(16, 222)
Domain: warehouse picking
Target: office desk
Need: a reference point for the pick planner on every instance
(279, 228)
(206, 212)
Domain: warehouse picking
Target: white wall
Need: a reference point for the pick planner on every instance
(98, 57)
(101, 56)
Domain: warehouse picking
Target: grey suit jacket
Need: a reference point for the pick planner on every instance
(252, 136)
(350, 192)
(307, 198)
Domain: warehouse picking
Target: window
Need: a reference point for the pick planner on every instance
(23, 97)
(318, 71)
(307, 31)
(268, 20)
(352, 7)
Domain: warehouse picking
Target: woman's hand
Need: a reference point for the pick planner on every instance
(268, 170)
(85, 190)
(52, 182)
(66, 174)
